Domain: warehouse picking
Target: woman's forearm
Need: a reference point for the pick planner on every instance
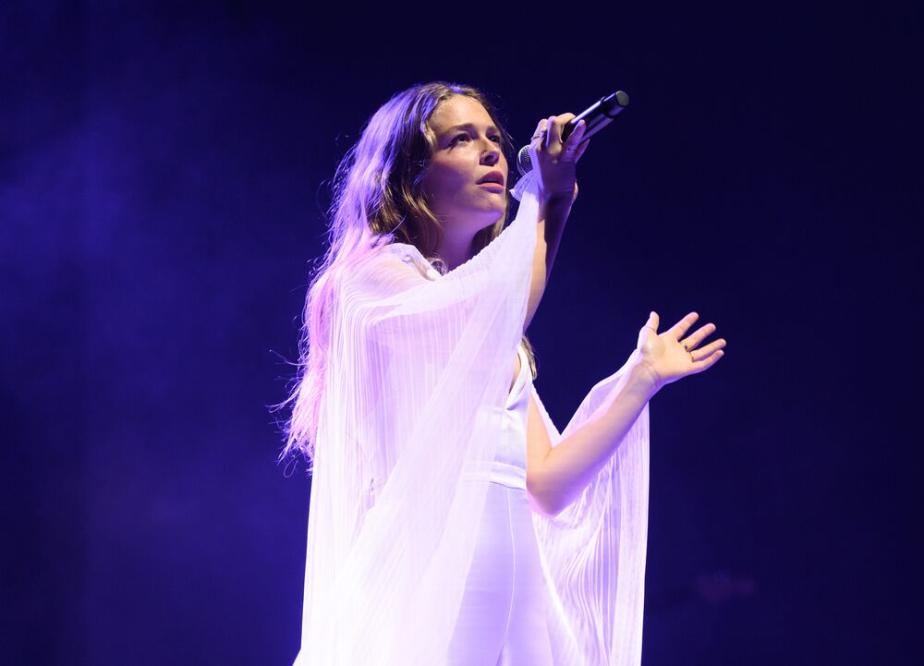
(553, 215)
(556, 212)
(570, 466)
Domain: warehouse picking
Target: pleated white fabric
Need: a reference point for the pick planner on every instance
(415, 394)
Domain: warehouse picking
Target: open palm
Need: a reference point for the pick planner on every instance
(668, 356)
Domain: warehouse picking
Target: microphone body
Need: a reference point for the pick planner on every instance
(597, 116)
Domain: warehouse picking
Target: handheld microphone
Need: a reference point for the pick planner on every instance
(597, 117)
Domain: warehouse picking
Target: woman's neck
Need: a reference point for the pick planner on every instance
(455, 251)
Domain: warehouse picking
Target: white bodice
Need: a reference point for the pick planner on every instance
(509, 466)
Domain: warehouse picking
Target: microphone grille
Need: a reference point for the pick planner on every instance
(524, 163)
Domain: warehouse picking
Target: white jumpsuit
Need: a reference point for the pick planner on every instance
(502, 621)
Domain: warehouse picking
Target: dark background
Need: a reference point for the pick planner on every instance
(163, 174)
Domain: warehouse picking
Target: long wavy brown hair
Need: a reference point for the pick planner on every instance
(377, 199)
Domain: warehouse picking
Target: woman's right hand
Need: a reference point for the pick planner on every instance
(558, 159)
(668, 356)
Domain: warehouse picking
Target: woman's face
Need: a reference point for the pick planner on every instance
(468, 148)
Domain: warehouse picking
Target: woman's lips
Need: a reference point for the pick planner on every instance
(494, 187)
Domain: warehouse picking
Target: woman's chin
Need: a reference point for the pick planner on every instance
(484, 213)
(493, 216)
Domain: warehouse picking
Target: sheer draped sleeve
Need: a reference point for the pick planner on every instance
(594, 551)
(418, 375)
(415, 389)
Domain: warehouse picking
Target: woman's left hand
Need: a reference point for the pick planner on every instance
(668, 356)
(557, 159)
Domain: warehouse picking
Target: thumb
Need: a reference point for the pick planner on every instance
(649, 329)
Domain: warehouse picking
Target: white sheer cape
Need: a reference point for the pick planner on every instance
(418, 377)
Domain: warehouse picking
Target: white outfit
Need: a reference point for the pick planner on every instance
(502, 621)
(509, 466)
(402, 528)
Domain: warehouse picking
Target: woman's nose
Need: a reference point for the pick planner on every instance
(492, 155)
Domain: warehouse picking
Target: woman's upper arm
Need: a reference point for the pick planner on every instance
(538, 446)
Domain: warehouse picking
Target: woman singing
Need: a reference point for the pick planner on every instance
(450, 522)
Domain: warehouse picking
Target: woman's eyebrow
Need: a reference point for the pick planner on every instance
(470, 126)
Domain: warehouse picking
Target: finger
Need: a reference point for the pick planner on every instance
(693, 340)
(580, 150)
(653, 321)
(679, 329)
(550, 138)
(577, 134)
(539, 134)
(705, 352)
(558, 124)
(573, 142)
(563, 120)
(708, 362)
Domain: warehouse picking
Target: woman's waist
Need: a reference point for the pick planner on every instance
(497, 471)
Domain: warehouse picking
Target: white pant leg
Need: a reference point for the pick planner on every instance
(482, 622)
(527, 641)
(502, 621)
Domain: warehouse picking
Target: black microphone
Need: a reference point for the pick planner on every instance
(597, 117)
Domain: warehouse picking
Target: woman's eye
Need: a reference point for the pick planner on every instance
(495, 138)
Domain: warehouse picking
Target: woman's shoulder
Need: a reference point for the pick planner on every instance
(411, 255)
(401, 249)
(384, 271)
